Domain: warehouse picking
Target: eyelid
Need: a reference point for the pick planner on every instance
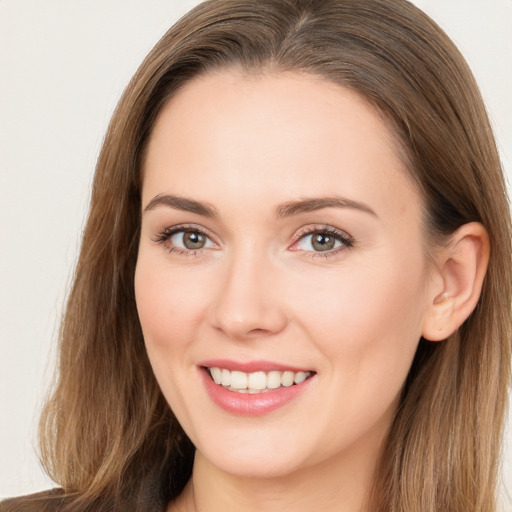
(320, 228)
(164, 235)
(346, 239)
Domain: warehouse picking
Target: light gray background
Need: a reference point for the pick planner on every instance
(64, 65)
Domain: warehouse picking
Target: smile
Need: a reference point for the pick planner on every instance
(256, 382)
(255, 388)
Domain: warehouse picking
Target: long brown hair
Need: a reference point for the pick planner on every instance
(108, 437)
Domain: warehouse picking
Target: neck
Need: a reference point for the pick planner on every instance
(333, 485)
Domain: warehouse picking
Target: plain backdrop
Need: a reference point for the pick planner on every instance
(63, 67)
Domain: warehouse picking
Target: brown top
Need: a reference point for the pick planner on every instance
(54, 500)
(45, 501)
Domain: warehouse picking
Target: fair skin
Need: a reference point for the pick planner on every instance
(248, 282)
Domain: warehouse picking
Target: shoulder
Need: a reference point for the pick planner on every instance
(56, 500)
(46, 501)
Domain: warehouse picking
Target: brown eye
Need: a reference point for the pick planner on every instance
(327, 240)
(193, 240)
(186, 240)
(322, 242)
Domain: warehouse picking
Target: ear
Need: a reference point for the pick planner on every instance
(460, 269)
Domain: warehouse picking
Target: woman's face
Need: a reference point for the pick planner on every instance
(281, 242)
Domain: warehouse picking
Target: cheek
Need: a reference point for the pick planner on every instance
(169, 305)
(367, 325)
(368, 313)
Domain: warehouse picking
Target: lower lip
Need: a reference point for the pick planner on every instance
(257, 404)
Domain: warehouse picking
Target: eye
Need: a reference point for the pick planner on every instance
(191, 240)
(323, 240)
(185, 240)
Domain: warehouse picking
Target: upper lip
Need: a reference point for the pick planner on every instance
(251, 366)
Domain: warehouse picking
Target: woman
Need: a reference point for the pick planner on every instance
(294, 283)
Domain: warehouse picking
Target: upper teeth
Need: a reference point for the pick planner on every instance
(257, 381)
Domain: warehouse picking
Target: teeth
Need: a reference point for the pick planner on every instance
(216, 375)
(256, 382)
(273, 380)
(238, 380)
(225, 378)
(287, 379)
(300, 377)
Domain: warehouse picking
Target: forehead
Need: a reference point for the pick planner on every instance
(296, 104)
(276, 134)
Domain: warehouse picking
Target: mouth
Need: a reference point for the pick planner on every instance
(254, 388)
(256, 382)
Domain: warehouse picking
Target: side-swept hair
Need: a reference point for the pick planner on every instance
(109, 438)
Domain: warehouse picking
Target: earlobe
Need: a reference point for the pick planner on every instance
(461, 267)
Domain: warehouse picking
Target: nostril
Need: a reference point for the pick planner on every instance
(241, 322)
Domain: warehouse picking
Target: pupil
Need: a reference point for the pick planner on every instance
(193, 240)
(323, 242)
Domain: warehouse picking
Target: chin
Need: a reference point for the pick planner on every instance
(254, 464)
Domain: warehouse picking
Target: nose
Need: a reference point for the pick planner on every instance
(247, 305)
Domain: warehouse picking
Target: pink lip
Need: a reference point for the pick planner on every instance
(245, 404)
(252, 366)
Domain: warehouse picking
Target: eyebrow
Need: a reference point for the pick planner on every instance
(317, 203)
(181, 203)
(287, 209)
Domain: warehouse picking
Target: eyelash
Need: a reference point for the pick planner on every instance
(166, 234)
(346, 240)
